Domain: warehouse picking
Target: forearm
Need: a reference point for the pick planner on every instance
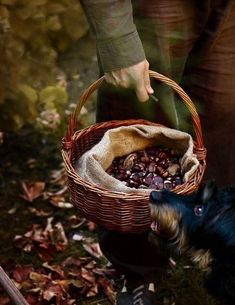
(118, 42)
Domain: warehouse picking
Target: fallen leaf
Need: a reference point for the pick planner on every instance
(93, 249)
(48, 226)
(76, 221)
(37, 277)
(36, 234)
(88, 275)
(32, 299)
(54, 290)
(73, 261)
(108, 289)
(59, 192)
(21, 273)
(59, 202)
(58, 176)
(55, 268)
(92, 291)
(4, 300)
(32, 191)
(48, 294)
(23, 243)
(58, 237)
(90, 265)
(46, 252)
(68, 282)
(39, 213)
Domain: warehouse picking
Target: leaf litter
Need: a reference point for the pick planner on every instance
(58, 277)
(60, 282)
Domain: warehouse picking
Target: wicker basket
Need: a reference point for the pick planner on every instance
(119, 211)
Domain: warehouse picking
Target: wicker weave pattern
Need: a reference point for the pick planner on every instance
(119, 211)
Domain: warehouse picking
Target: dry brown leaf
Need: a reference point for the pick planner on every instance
(108, 289)
(55, 268)
(23, 243)
(59, 192)
(92, 291)
(59, 202)
(48, 226)
(58, 237)
(66, 283)
(21, 273)
(76, 221)
(37, 277)
(4, 301)
(46, 252)
(88, 276)
(93, 249)
(54, 290)
(48, 294)
(90, 265)
(32, 299)
(58, 176)
(32, 191)
(39, 213)
(69, 261)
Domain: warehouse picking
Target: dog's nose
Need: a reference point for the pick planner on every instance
(156, 197)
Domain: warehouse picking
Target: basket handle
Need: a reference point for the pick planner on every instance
(186, 99)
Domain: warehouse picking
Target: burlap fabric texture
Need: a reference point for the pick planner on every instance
(121, 141)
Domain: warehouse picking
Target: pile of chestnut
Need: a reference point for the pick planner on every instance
(154, 168)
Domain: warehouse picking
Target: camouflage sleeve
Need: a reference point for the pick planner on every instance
(118, 42)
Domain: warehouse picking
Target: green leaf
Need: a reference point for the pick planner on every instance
(29, 92)
(53, 97)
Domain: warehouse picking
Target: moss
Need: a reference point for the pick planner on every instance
(186, 285)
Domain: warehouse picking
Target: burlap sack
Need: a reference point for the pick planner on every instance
(124, 140)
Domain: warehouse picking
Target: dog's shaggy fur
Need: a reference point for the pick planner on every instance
(201, 225)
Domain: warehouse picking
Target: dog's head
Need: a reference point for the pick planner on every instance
(202, 220)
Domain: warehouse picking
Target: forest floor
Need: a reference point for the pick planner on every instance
(48, 250)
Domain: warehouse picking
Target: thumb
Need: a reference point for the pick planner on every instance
(147, 83)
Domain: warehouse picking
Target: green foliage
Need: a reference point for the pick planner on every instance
(32, 33)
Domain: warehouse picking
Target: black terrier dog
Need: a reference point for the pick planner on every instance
(201, 225)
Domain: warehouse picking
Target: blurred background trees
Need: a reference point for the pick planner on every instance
(32, 35)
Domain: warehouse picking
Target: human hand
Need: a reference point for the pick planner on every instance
(136, 76)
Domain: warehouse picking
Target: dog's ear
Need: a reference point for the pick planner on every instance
(220, 282)
(206, 191)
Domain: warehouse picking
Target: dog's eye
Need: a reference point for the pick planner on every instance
(198, 210)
